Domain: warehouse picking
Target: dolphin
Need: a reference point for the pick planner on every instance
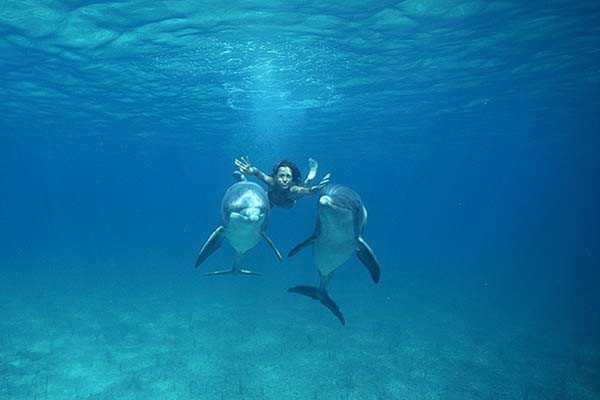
(338, 233)
(244, 215)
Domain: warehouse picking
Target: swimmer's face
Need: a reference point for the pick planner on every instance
(284, 177)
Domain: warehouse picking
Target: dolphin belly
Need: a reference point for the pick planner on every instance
(336, 242)
(329, 255)
(243, 234)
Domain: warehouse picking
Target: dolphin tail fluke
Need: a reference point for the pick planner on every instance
(310, 291)
(231, 272)
(236, 269)
(301, 245)
(321, 295)
(272, 246)
(248, 272)
(367, 257)
(211, 245)
(329, 303)
(223, 272)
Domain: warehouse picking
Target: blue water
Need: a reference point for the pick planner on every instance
(470, 130)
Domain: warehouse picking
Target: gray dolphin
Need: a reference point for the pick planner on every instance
(244, 215)
(338, 233)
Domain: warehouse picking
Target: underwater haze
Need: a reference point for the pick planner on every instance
(468, 128)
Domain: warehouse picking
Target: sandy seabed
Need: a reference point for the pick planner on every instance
(237, 345)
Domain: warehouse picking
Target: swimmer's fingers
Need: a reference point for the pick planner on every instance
(325, 180)
(240, 165)
(243, 163)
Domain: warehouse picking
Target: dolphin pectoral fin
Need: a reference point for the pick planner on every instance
(367, 257)
(272, 245)
(211, 245)
(301, 245)
(321, 295)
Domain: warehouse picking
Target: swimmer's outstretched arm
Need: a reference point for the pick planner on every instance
(246, 168)
(304, 190)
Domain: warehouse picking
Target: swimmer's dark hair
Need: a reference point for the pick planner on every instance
(287, 163)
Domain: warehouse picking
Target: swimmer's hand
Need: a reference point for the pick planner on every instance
(324, 182)
(244, 165)
(313, 165)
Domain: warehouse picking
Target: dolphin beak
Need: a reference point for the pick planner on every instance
(253, 214)
(325, 200)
